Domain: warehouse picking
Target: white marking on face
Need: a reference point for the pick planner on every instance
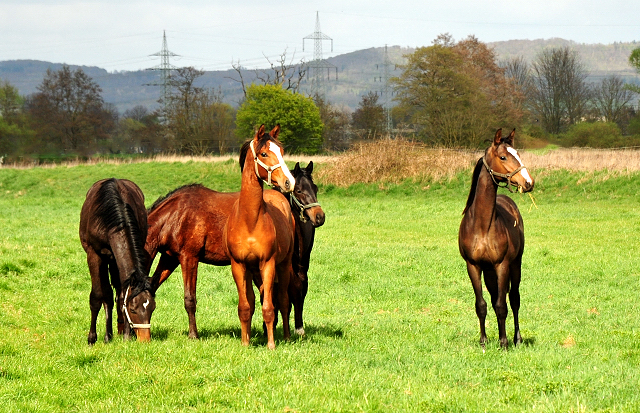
(146, 304)
(523, 171)
(276, 150)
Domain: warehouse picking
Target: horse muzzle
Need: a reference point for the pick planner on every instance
(143, 334)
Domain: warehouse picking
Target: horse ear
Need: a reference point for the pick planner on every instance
(260, 132)
(310, 167)
(509, 139)
(296, 169)
(497, 140)
(275, 132)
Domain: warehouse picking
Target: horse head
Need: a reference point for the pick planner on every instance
(139, 303)
(504, 164)
(267, 155)
(305, 195)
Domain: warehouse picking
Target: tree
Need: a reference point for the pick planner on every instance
(455, 92)
(197, 118)
(611, 99)
(15, 134)
(634, 61)
(69, 112)
(297, 115)
(559, 95)
(336, 134)
(369, 117)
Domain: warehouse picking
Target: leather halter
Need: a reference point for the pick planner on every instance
(295, 201)
(266, 167)
(500, 175)
(126, 313)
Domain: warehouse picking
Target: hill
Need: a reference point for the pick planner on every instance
(358, 72)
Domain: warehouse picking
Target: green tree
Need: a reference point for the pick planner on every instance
(369, 117)
(297, 115)
(634, 61)
(15, 134)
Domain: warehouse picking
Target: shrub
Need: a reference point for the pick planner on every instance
(594, 135)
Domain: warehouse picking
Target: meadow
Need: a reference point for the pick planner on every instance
(389, 318)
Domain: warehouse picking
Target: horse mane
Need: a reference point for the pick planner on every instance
(114, 214)
(474, 185)
(161, 199)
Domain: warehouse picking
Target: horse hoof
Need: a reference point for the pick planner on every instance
(300, 331)
(193, 336)
(107, 338)
(91, 340)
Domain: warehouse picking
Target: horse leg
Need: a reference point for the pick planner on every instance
(284, 272)
(246, 299)
(97, 269)
(500, 303)
(268, 272)
(166, 266)
(190, 277)
(475, 275)
(298, 300)
(123, 328)
(107, 293)
(514, 298)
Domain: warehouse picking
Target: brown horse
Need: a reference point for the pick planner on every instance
(308, 215)
(113, 228)
(491, 237)
(259, 237)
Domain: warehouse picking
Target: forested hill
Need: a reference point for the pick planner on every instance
(357, 72)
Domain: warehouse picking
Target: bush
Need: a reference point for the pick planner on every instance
(595, 135)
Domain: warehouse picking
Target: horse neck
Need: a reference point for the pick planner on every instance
(123, 252)
(483, 209)
(250, 203)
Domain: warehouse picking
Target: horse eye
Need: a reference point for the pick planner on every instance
(503, 158)
(264, 154)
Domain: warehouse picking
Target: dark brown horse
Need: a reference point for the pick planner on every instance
(113, 229)
(260, 238)
(491, 237)
(308, 215)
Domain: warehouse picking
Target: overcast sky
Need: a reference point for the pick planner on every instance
(211, 34)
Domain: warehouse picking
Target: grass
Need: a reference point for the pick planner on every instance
(390, 314)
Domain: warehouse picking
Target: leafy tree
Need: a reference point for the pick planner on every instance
(455, 93)
(336, 134)
(634, 61)
(69, 113)
(369, 116)
(15, 134)
(560, 94)
(298, 116)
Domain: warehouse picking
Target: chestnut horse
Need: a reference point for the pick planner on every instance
(308, 215)
(259, 238)
(113, 228)
(491, 237)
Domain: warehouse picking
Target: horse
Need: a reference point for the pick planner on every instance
(491, 236)
(308, 216)
(113, 229)
(259, 238)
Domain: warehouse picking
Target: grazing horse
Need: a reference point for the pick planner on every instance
(113, 228)
(259, 238)
(491, 237)
(308, 215)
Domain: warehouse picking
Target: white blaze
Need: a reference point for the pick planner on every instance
(276, 150)
(523, 171)
(146, 304)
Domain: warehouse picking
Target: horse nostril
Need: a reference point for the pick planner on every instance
(287, 184)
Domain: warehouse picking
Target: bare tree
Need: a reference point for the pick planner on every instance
(518, 71)
(559, 94)
(611, 99)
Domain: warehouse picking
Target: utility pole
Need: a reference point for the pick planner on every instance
(319, 64)
(165, 69)
(387, 89)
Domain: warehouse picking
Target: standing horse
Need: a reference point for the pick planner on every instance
(308, 215)
(491, 237)
(113, 228)
(259, 237)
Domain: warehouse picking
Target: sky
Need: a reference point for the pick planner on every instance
(122, 35)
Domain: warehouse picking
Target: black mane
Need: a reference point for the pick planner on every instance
(114, 214)
(474, 185)
(262, 141)
(161, 199)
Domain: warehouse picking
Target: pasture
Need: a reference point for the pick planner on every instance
(390, 316)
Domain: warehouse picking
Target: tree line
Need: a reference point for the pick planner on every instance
(452, 93)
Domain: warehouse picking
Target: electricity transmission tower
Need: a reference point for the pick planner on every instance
(318, 64)
(386, 88)
(165, 69)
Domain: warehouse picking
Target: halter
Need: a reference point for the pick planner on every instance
(302, 207)
(126, 312)
(499, 175)
(266, 167)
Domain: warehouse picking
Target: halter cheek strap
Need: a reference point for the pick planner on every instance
(266, 167)
(126, 313)
(500, 175)
(301, 206)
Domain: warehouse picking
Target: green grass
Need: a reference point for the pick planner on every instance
(390, 314)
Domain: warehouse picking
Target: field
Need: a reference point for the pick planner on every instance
(390, 317)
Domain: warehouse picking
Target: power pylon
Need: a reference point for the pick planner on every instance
(387, 89)
(164, 68)
(318, 64)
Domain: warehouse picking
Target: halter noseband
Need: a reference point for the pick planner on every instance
(126, 313)
(296, 202)
(266, 167)
(499, 175)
